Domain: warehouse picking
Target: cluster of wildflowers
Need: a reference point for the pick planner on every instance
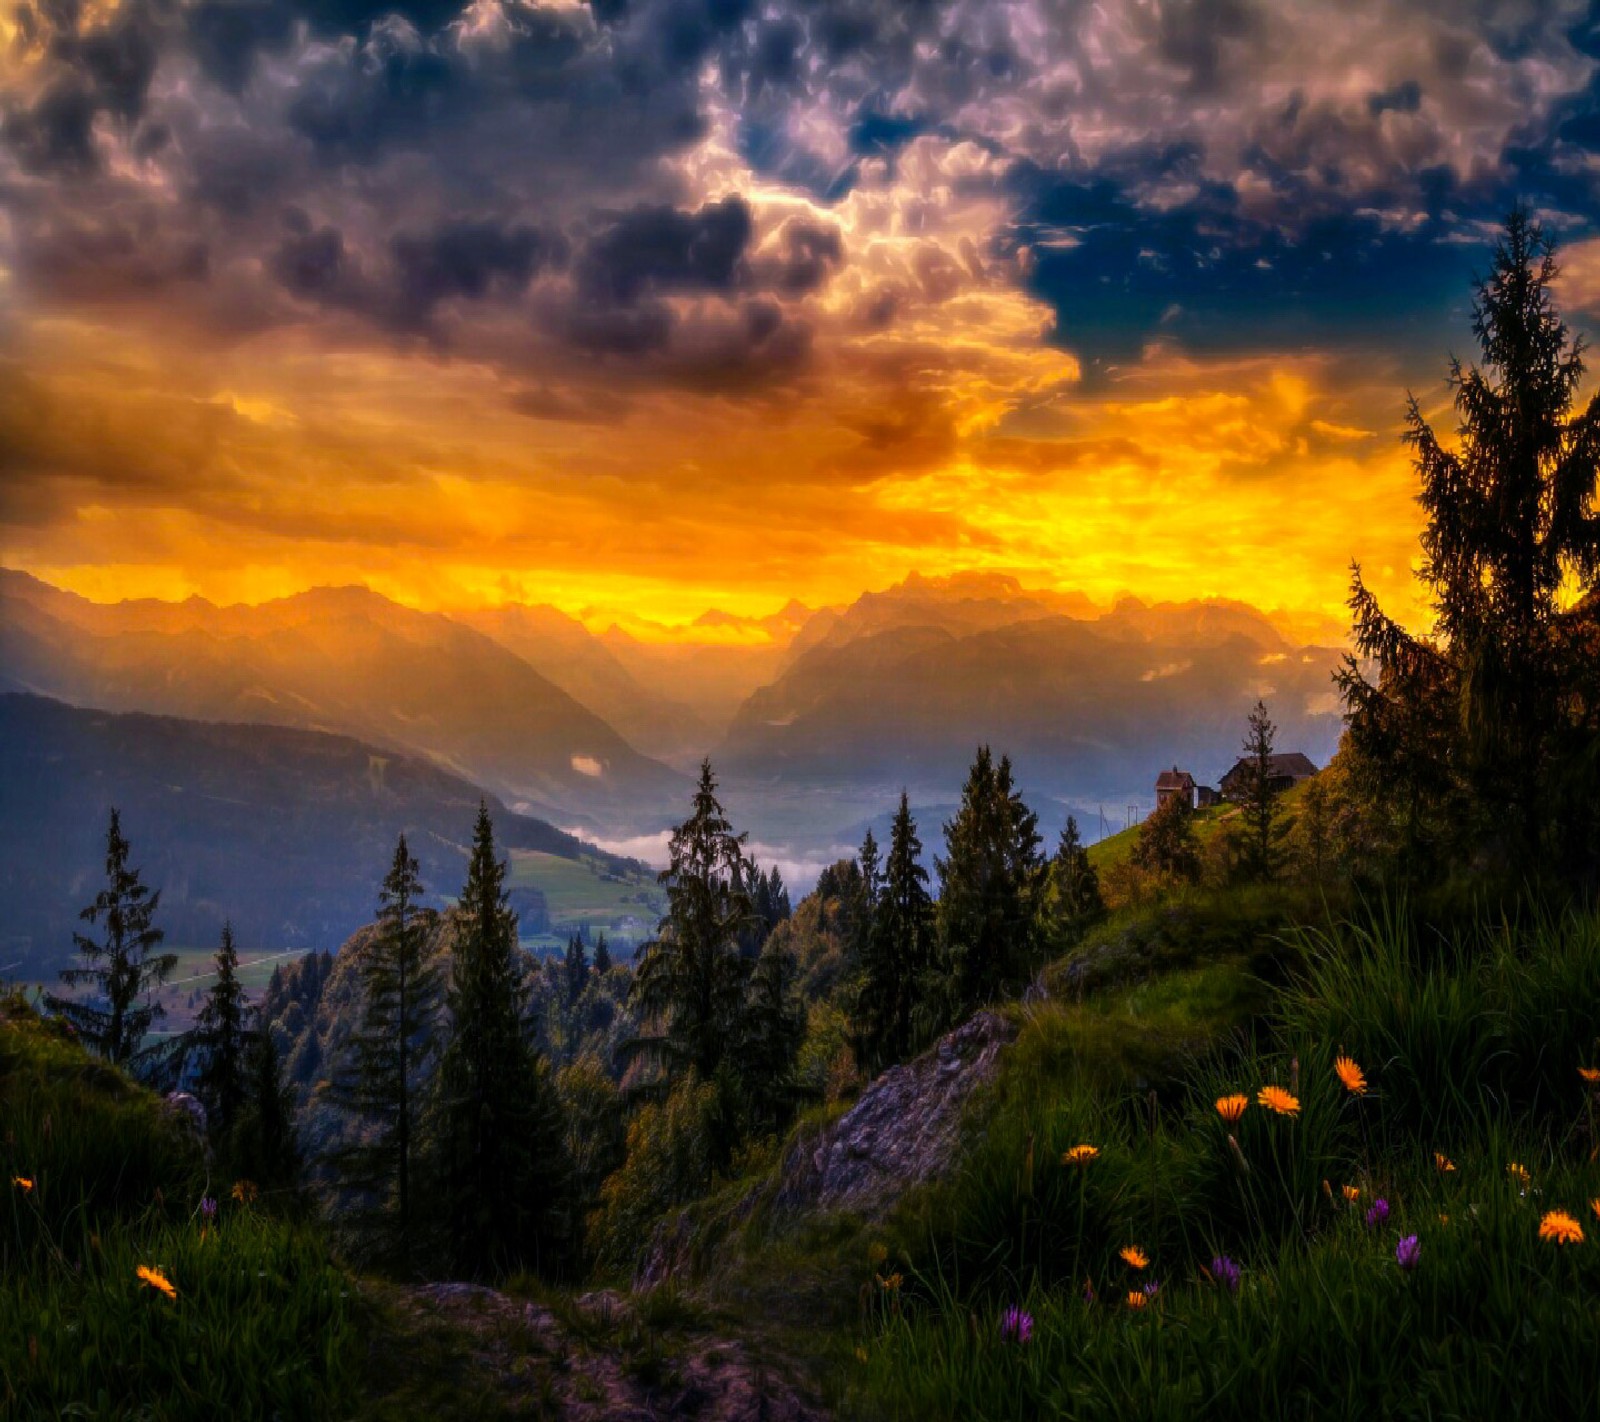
(1016, 1325)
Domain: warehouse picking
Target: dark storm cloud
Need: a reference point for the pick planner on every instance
(660, 249)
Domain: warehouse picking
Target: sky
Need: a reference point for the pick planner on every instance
(646, 306)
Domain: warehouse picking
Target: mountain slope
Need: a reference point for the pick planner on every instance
(285, 832)
(1086, 709)
(563, 650)
(343, 660)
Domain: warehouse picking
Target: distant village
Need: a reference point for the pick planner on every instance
(1285, 772)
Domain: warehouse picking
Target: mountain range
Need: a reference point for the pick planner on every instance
(813, 718)
(286, 833)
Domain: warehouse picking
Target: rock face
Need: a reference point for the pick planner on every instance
(612, 1369)
(903, 1131)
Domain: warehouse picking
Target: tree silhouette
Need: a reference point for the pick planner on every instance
(1485, 728)
(123, 966)
(220, 1034)
(897, 949)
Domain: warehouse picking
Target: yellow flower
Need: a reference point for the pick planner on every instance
(1519, 1173)
(1080, 1155)
(1444, 1219)
(1560, 1228)
(1594, 1206)
(22, 1183)
(1135, 1258)
(878, 1253)
(1230, 1108)
(1590, 1074)
(861, 1354)
(1275, 1098)
(1137, 1298)
(892, 1283)
(1351, 1075)
(245, 1191)
(1352, 1193)
(155, 1279)
(1442, 1162)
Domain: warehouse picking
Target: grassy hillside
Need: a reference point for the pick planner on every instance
(624, 902)
(1447, 1299)
(116, 1290)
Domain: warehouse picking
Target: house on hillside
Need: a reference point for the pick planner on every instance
(1205, 796)
(1283, 773)
(1174, 784)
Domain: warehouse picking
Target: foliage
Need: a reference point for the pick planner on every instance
(1482, 738)
(992, 883)
(1073, 903)
(221, 1037)
(1166, 845)
(504, 1175)
(121, 968)
(897, 951)
(400, 992)
(1259, 830)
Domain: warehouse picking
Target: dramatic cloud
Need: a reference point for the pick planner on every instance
(667, 302)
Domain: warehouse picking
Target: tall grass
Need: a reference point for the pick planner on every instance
(1471, 1043)
(98, 1180)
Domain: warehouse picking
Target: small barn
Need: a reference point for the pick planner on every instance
(1283, 773)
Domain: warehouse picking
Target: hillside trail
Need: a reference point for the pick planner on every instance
(458, 1350)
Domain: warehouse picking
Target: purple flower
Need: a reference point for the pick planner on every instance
(1152, 1289)
(1089, 1295)
(208, 1207)
(1378, 1213)
(1016, 1326)
(1226, 1273)
(1408, 1252)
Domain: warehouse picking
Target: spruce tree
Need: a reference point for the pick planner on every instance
(602, 957)
(690, 981)
(772, 1028)
(389, 1047)
(871, 869)
(992, 884)
(263, 1146)
(222, 1038)
(1074, 900)
(1257, 840)
(1481, 736)
(898, 951)
(505, 1176)
(574, 971)
(123, 966)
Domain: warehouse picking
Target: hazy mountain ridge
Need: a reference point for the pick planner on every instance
(344, 660)
(286, 832)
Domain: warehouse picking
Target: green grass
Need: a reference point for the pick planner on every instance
(262, 1324)
(584, 890)
(1471, 1045)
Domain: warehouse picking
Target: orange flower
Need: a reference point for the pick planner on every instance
(1519, 1173)
(1590, 1074)
(1352, 1193)
(155, 1279)
(1080, 1155)
(1443, 1163)
(1137, 1298)
(1275, 1098)
(245, 1191)
(1135, 1258)
(22, 1183)
(1351, 1075)
(1230, 1108)
(1594, 1206)
(1560, 1228)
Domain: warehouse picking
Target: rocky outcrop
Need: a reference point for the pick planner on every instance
(603, 1366)
(904, 1130)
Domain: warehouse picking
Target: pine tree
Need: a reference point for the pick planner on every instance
(1257, 840)
(123, 967)
(222, 1038)
(263, 1146)
(395, 1036)
(871, 869)
(690, 981)
(505, 1178)
(602, 957)
(1482, 735)
(1074, 901)
(772, 1028)
(574, 970)
(898, 951)
(992, 885)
